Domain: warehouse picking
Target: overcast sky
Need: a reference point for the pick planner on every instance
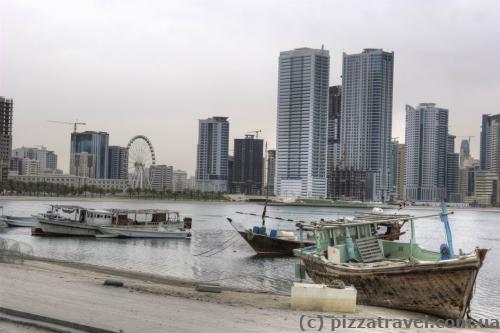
(156, 67)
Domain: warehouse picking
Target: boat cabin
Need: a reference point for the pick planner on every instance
(98, 217)
(359, 241)
(80, 214)
(144, 216)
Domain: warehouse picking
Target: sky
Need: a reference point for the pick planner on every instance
(156, 67)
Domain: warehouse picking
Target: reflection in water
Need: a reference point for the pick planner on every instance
(199, 258)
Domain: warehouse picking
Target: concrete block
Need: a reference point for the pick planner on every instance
(318, 297)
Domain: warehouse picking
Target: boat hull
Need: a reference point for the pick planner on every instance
(442, 290)
(137, 233)
(64, 228)
(264, 245)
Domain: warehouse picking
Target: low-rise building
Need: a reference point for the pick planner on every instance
(30, 167)
(161, 177)
(179, 180)
(485, 188)
(74, 181)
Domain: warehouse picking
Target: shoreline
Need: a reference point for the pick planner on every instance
(272, 204)
(153, 304)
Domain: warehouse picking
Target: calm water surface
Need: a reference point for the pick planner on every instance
(217, 253)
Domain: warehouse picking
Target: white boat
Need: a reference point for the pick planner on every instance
(19, 221)
(73, 220)
(146, 224)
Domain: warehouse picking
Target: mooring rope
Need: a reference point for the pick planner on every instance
(217, 247)
(222, 249)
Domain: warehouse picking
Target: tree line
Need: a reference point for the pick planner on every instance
(15, 187)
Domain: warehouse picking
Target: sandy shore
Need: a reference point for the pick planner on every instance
(75, 292)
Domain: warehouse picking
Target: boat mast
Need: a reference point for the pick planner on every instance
(267, 192)
(444, 219)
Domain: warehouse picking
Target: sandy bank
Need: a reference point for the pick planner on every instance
(76, 293)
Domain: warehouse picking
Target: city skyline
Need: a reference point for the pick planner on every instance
(79, 73)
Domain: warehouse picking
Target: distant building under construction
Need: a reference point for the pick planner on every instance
(348, 184)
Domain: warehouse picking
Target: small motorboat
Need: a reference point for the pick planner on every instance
(19, 221)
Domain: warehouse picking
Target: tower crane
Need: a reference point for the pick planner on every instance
(257, 131)
(75, 123)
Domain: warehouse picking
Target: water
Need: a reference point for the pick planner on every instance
(235, 265)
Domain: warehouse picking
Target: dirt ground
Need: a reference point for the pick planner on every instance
(75, 292)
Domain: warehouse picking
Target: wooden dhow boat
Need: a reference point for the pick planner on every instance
(282, 242)
(394, 274)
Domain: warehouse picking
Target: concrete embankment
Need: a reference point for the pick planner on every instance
(77, 294)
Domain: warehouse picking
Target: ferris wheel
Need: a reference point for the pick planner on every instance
(141, 156)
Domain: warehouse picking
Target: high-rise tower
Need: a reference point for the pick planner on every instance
(301, 149)
(366, 122)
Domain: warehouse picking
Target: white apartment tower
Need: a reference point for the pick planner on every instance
(366, 121)
(212, 152)
(302, 123)
(426, 140)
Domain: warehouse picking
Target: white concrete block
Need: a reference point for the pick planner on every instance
(318, 297)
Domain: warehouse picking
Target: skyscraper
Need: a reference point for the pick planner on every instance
(426, 152)
(94, 143)
(452, 174)
(51, 160)
(366, 121)
(401, 173)
(490, 142)
(394, 169)
(333, 150)
(248, 173)
(464, 152)
(302, 123)
(212, 154)
(117, 162)
(271, 170)
(6, 109)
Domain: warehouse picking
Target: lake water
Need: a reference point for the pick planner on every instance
(201, 258)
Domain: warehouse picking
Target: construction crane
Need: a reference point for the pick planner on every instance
(75, 123)
(257, 131)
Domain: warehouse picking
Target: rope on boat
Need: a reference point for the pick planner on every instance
(271, 217)
(218, 246)
(469, 316)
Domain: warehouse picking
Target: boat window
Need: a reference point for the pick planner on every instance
(340, 236)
